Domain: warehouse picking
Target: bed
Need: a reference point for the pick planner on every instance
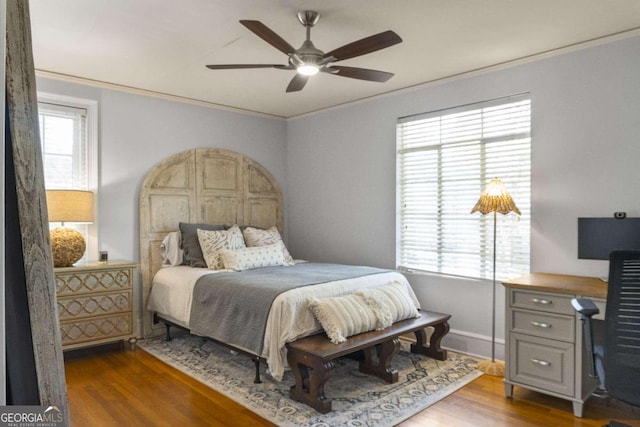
(222, 187)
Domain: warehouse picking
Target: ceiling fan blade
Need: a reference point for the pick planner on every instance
(365, 46)
(297, 83)
(266, 34)
(239, 66)
(359, 73)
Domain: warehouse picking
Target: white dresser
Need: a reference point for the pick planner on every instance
(96, 303)
(544, 338)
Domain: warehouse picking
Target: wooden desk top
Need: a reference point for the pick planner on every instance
(561, 283)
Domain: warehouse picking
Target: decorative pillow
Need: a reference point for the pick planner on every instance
(191, 245)
(344, 316)
(212, 242)
(259, 237)
(254, 257)
(365, 310)
(391, 299)
(170, 249)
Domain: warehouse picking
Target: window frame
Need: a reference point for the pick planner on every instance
(91, 108)
(485, 222)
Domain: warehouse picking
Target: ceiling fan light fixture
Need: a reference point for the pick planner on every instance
(308, 69)
(308, 60)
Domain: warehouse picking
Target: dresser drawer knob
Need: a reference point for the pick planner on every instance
(541, 301)
(540, 362)
(540, 324)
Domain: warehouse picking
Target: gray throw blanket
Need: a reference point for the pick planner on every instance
(233, 307)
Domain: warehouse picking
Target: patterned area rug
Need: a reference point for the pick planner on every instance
(357, 399)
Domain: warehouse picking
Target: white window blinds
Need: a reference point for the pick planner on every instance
(63, 135)
(444, 161)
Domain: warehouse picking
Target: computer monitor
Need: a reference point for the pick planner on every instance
(598, 237)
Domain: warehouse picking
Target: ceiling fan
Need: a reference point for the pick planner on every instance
(308, 60)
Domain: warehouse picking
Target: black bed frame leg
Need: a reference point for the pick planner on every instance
(257, 378)
(167, 336)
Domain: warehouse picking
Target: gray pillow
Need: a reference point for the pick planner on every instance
(192, 251)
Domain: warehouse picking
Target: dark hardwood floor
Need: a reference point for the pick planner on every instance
(132, 388)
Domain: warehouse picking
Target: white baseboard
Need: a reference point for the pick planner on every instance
(472, 344)
(466, 343)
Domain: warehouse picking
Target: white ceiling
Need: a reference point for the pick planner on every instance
(163, 45)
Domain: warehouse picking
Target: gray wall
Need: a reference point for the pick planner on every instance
(136, 132)
(337, 168)
(585, 156)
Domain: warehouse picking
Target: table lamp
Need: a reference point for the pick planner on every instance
(67, 244)
(495, 198)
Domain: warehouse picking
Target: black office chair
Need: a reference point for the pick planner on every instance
(617, 361)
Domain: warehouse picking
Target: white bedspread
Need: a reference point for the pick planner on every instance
(289, 318)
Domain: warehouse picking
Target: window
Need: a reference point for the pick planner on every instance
(68, 136)
(444, 161)
(64, 146)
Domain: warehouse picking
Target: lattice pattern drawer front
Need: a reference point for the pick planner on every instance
(92, 281)
(76, 307)
(96, 329)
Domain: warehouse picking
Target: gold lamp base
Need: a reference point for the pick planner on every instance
(489, 367)
(67, 246)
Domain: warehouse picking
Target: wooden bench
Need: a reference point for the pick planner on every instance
(312, 358)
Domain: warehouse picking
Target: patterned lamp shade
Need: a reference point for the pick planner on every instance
(67, 244)
(495, 198)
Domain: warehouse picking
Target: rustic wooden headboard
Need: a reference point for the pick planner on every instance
(204, 185)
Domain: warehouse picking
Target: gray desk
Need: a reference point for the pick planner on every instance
(544, 344)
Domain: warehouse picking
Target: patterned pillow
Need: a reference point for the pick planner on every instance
(259, 237)
(191, 245)
(254, 257)
(344, 316)
(212, 242)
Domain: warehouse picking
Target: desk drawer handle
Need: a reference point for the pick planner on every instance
(541, 301)
(540, 362)
(541, 325)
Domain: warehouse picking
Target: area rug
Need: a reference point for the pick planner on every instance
(357, 399)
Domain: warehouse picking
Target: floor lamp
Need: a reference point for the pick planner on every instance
(495, 198)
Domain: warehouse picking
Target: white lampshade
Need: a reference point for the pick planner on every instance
(70, 206)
